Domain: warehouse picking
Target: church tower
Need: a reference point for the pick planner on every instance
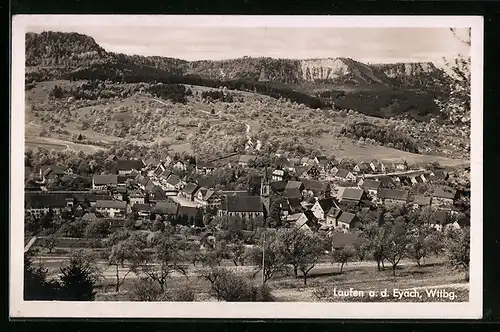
(264, 193)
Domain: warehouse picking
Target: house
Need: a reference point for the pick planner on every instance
(438, 175)
(112, 158)
(157, 194)
(439, 220)
(173, 182)
(119, 194)
(293, 189)
(166, 208)
(289, 166)
(444, 196)
(242, 206)
(311, 172)
(146, 184)
(321, 208)
(51, 171)
(421, 201)
(344, 175)
(316, 188)
(320, 160)
(136, 198)
(208, 182)
(188, 211)
(142, 210)
(102, 182)
(204, 167)
(207, 198)
(305, 161)
(362, 168)
(393, 196)
(167, 161)
(160, 168)
(401, 165)
(38, 204)
(378, 166)
(294, 205)
(151, 163)
(278, 175)
(332, 216)
(371, 186)
(188, 192)
(347, 221)
(306, 221)
(112, 209)
(126, 166)
(163, 176)
(416, 179)
(353, 196)
(244, 160)
(179, 165)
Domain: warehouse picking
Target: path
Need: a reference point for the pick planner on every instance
(29, 244)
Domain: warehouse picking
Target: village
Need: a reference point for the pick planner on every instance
(312, 194)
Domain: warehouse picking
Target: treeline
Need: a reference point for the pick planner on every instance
(217, 95)
(174, 92)
(385, 135)
(136, 74)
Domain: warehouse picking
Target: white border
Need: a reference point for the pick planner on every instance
(49, 309)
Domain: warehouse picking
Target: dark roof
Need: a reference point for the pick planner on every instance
(278, 186)
(421, 200)
(207, 182)
(243, 204)
(334, 212)
(148, 184)
(165, 174)
(311, 220)
(370, 184)
(315, 185)
(439, 217)
(141, 207)
(327, 203)
(43, 200)
(173, 179)
(342, 173)
(152, 162)
(189, 211)
(129, 164)
(363, 166)
(166, 207)
(445, 192)
(293, 193)
(160, 168)
(352, 194)
(190, 188)
(122, 178)
(400, 195)
(111, 204)
(294, 203)
(56, 169)
(294, 185)
(347, 217)
(105, 179)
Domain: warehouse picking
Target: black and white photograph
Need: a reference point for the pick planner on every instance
(246, 167)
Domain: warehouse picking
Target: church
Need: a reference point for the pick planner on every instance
(248, 206)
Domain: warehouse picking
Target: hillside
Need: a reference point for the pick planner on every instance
(386, 90)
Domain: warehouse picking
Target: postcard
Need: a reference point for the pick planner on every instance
(186, 166)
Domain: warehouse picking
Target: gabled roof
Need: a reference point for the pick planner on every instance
(44, 200)
(352, 194)
(310, 220)
(165, 174)
(292, 193)
(173, 180)
(278, 172)
(242, 204)
(166, 207)
(190, 188)
(321, 158)
(142, 207)
(207, 182)
(294, 185)
(342, 173)
(315, 185)
(439, 217)
(371, 184)
(363, 166)
(129, 164)
(278, 186)
(347, 217)
(294, 203)
(334, 212)
(111, 204)
(105, 179)
(327, 204)
(204, 164)
(421, 200)
(55, 169)
(89, 217)
(400, 195)
(445, 192)
(158, 193)
(151, 162)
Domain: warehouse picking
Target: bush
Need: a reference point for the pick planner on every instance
(184, 294)
(146, 290)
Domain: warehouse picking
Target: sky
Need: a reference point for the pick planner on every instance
(369, 45)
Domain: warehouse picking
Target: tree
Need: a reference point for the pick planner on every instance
(79, 278)
(394, 248)
(238, 253)
(313, 249)
(36, 284)
(227, 286)
(342, 256)
(158, 264)
(273, 258)
(457, 248)
(417, 247)
(98, 229)
(50, 242)
(124, 247)
(146, 290)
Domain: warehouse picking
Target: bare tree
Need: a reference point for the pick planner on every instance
(342, 256)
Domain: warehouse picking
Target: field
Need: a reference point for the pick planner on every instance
(323, 279)
(201, 127)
